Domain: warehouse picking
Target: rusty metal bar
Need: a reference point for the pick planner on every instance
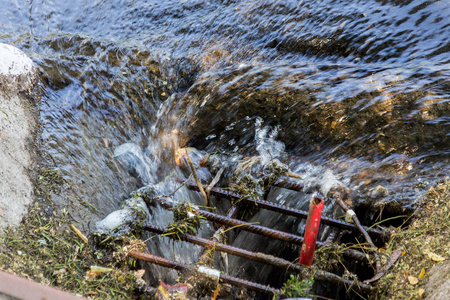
(275, 234)
(332, 237)
(260, 257)
(257, 229)
(233, 211)
(248, 284)
(223, 278)
(286, 184)
(282, 208)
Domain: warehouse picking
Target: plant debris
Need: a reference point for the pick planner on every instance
(46, 249)
(425, 243)
(186, 220)
(296, 287)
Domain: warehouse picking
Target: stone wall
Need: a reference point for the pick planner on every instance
(18, 128)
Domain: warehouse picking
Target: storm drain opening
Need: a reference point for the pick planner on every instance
(347, 261)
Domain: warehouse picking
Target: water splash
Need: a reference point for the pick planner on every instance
(269, 149)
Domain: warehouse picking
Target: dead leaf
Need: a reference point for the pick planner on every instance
(422, 273)
(92, 274)
(420, 292)
(176, 292)
(139, 273)
(216, 293)
(413, 280)
(101, 269)
(435, 257)
(60, 271)
(433, 191)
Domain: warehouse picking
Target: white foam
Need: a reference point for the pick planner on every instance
(268, 147)
(328, 181)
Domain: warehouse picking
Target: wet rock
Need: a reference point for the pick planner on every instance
(17, 72)
(18, 127)
(118, 221)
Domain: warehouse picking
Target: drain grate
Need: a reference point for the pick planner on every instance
(230, 220)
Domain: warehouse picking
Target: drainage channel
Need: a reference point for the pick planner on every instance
(228, 221)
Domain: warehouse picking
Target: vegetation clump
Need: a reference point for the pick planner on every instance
(257, 182)
(186, 220)
(295, 287)
(46, 250)
(425, 243)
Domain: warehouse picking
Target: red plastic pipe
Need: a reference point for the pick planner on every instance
(311, 231)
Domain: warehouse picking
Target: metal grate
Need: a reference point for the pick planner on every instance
(230, 220)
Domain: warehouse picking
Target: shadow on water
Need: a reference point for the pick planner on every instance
(361, 87)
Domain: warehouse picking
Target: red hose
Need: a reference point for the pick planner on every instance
(311, 231)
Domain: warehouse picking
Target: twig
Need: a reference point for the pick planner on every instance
(397, 253)
(79, 233)
(208, 253)
(180, 186)
(200, 187)
(293, 175)
(214, 181)
(355, 219)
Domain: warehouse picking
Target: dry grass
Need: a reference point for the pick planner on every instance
(425, 242)
(45, 249)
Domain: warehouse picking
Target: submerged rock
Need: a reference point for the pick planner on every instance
(118, 221)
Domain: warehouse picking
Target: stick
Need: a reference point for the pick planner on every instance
(200, 187)
(355, 219)
(214, 181)
(79, 233)
(397, 253)
(293, 175)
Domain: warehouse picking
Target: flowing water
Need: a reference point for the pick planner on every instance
(357, 93)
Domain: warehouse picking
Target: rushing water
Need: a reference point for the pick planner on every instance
(357, 91)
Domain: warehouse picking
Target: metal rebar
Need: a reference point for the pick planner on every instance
(248, 284)
(223, 278)
(260, 257)
(257, 229)
(289, 185)
(232, 211)
(261, 230)
(282, 208)
(332, 237)
(349, 284)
